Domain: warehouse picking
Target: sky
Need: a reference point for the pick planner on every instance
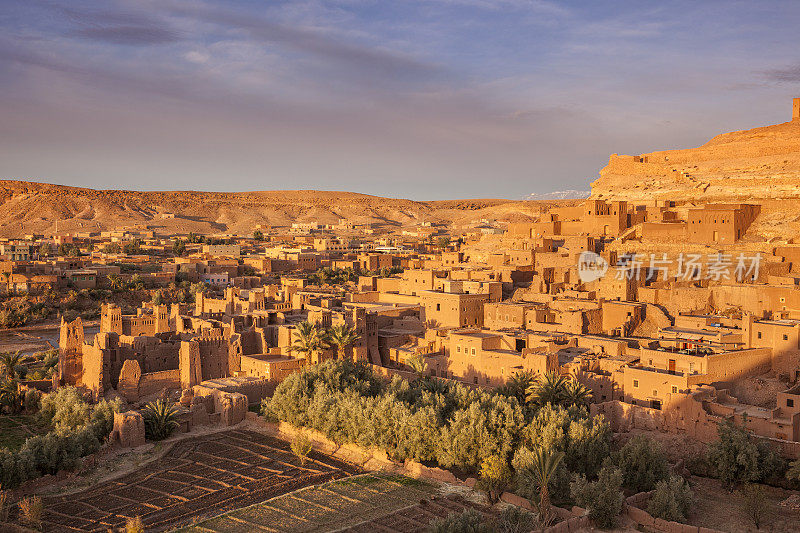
(420, 99)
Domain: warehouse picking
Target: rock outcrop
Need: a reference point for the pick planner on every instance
(762, 163)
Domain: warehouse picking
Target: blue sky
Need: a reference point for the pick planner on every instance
(425, 99)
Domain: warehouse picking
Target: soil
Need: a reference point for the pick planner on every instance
(719, 509)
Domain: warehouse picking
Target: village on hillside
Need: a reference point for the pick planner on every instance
(611, 363)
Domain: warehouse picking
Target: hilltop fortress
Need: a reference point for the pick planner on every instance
(761, 163)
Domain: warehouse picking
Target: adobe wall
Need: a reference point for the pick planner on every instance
(154, 382)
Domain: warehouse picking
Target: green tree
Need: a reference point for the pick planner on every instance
(643, 464)
(443, 242)
(548, 389)
(468, 521)
(517, 385)
(309, 340)
(734, 457)
(160, 419)
(301, 447)
(419, 365)
(576, 393)
(258, 235)
(341, 336)
(672, 500)
(495, 476)
(544, 467)
(9, 363)
(603, 498)
(178, 247)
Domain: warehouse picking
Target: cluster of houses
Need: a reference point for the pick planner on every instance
(662, 310)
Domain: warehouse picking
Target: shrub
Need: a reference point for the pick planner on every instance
(643, 464)
(734, 457)
(134, 525)
(603, 498)
(102, 417)
(159, 420)
(495, 476)
(672, 500)
(468, 521)
(301, 447)
(453, 425)
(64, 408)
(513, 519)
(754, 503)
(30, 511)
(585, 440)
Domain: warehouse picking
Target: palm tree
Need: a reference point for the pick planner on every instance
(576, 393)
(550, 388)
(309, 339)
(418, 365)
(9, 362)
(342, 336)
(160, 419)
(545, 465)
(9, 395)
(518, 384)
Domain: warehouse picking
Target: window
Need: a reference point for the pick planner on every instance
(674, 389)
(473, 351)
(786, 337)
(438, 307)
(759, 334)
(475, 380)
(789, 402)
(635, 383)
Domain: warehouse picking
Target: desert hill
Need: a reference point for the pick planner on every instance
(30, 207)
(761, 163)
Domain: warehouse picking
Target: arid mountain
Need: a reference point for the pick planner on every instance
(29, 207)
(569, 194)
(762, 163)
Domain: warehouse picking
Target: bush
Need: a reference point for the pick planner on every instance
(301, 447)
(495, 477)
(585, 440)
(513, 519)
(672, 500)
(134, 525)
(734, 457)
(454, 425)
(159, 420)
(469, 521)
(754, 503)
(30, 511)
(643, 464)
(77, 431)
(64, 408)
(603, 498)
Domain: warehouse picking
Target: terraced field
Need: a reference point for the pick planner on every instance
(199, 477)
(369, 503)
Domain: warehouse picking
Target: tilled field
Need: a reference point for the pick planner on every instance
(197, 478)
(368, 503)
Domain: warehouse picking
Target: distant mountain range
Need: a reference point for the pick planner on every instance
(40, 208)
(558, 195)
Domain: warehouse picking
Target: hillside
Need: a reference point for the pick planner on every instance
(29, 207)
(756, 164)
